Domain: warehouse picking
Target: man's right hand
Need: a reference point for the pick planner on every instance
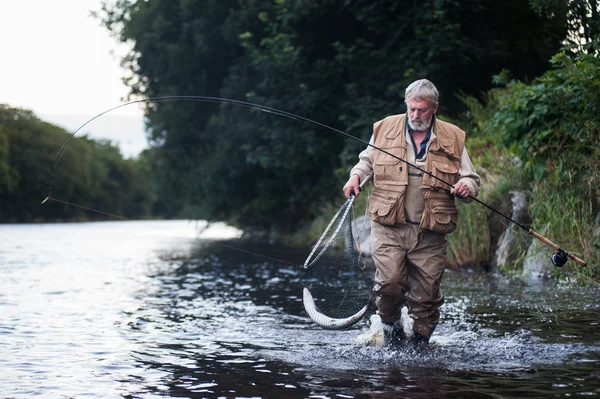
(352, 186)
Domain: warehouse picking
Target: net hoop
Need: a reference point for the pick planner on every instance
(345, 209)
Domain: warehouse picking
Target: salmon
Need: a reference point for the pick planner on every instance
(328, 322)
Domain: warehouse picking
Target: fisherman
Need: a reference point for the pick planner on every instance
(411, 212)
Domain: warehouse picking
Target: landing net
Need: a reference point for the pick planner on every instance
(335, 272)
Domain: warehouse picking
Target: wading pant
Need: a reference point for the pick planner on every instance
(409, 268)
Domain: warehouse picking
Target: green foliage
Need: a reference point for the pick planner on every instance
(568, 217)
(583, 20)
(7, 174)
(555, 116)
(551, 128)
(90, 173)
(343, 64)
(470, 244)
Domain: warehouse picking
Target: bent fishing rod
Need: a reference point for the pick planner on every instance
(559, 258)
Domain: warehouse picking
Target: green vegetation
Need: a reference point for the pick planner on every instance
(343, 64)
(551, 126)
(91, 173)
(528, 104)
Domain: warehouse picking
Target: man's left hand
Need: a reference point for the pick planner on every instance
(461, 190)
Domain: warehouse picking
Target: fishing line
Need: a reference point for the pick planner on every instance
(508, 226)
(257, 254)
(214, 242)
(224, 101)
(85, 207)
(560, 255)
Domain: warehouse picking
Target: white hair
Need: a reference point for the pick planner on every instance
(421, 89)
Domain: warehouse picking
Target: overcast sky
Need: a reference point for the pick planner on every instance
(57, 61)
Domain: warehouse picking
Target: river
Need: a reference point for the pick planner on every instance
(162, 309)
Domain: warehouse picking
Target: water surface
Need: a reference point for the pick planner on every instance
(163, 309)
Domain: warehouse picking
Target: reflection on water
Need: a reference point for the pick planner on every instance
(159, 309)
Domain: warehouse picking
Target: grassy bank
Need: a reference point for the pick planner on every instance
(542, 139)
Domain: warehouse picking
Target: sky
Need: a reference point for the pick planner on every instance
(58, 62)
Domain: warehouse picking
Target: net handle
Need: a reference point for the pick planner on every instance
(364, 182)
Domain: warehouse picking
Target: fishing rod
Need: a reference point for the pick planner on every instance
(559, 258)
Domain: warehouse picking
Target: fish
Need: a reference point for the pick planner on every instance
(327, 322)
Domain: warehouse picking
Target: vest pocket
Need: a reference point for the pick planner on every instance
(389, 170)
(387, 210)
(444, 169)
(440, 213)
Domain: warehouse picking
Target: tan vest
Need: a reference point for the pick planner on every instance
(386, 204)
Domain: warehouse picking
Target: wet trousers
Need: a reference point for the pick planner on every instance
(409, 264)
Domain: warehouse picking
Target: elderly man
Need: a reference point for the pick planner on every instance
(411, 211)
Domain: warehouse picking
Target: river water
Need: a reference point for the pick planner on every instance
(165, 310)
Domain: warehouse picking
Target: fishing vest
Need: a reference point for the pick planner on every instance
(390, 180)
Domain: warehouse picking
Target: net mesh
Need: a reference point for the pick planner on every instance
(337, 276)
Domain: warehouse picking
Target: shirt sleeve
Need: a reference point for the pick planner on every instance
(365, 163)
(469, 176)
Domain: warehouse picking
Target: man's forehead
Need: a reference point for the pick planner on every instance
(419, 103)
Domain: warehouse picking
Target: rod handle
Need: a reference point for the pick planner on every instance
(556, 247)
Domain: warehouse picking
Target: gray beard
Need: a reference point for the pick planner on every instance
(419, 128)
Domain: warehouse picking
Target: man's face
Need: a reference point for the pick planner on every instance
(420, 112)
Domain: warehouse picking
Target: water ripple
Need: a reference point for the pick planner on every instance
(151, 309)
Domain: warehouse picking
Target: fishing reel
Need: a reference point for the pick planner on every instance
(559, 258)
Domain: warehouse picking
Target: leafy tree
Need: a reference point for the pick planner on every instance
(344, 64)
(583, 19)
(90, 173)
(556, 116)
(7, 173)
(552, 126)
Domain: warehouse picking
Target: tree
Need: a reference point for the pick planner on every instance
(7, 173)
(344, 64)
(90, 173)
(555, 117)
(583, 20)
